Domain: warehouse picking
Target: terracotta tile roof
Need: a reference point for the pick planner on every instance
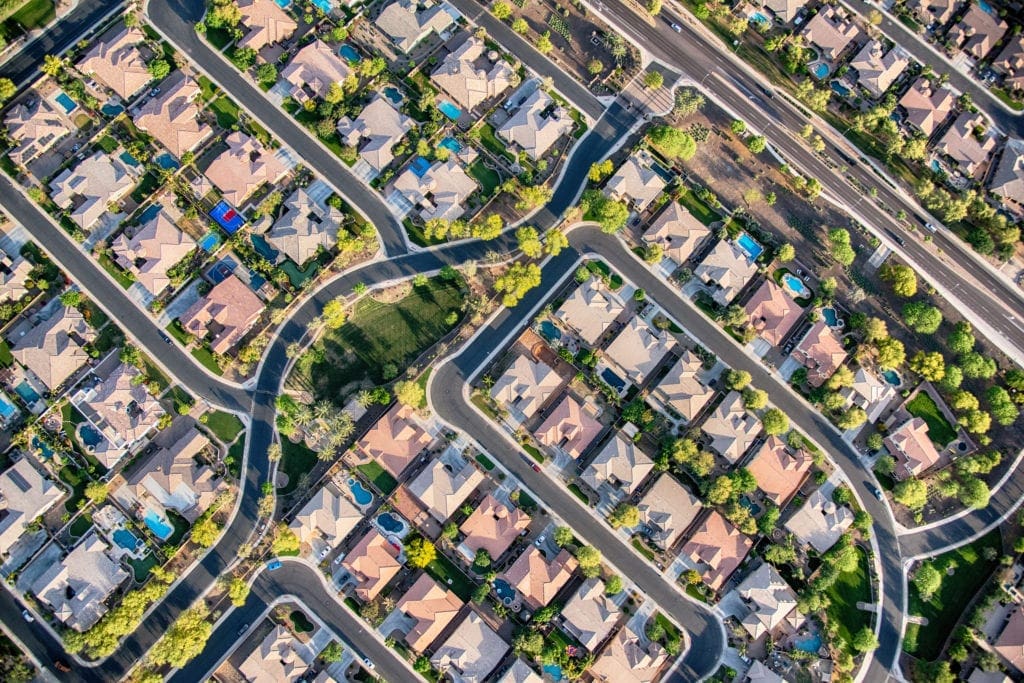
(315, 67)
(275, 659)
(115, 61)
(406, 24)
(831, 30)
(977, 32)
(35, 129)
(769, 599)
(779, 470)
(520, 672)
(124, 409)
(635, 182)
(913, 449)
(431, 607)
(717, 548)
(440, 192)
(960, 144)
(172, 116)
(395, 440)
(569, 427)
(1008, 179)
(878, 69)
(87, 189)
(927, 106)
(378, 128)
(1010, 63)
(27, 494)
(493, 527)
(244, 167)
(678, 233)
(328, 516)
(267, 23)
(772, 312)
(536, 579)
(227, 312)
(372, 562)
(821, 352)
(727, 270)
(667, 510)
(305, 227)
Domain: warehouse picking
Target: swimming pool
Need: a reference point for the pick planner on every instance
(749, 246)
(391, 524)
(111, 110)
(750, 505)
(263, 248)
(166, 161)
(811, 643)
(323, 5)
(349, 54)
(985, 7)
(935, 166)
(451, 144)
(831, 317)
(839, 89)
(129, 159)
(821, 70)
(7, 409)
(27, 393)
(227, 217)
(759, 18)
(283, 4)
(449, 110)
(662, 172)
(549, 331)
(419, 167)
(392, 94)
(65, 101)
(89, 436)
(795, 286)
(127, 540)
(613, 380)
(506, 593)
(553, 670)
(44, 450)
(158, 526)
(892, 377)
(149, 214)
(209, 242)
(360, 493)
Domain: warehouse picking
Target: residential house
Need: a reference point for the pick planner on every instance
(977, 32)
(538, 579)
(934, 11)
(1008, 179)
(306, 227)
(407, 24)
(726, 270)
(912, 448)
(267, 22)
(772, 313)
(716, 549)
(927, 105)
(536, 125)
(395, 440)
(637, 350)
(372, 563)
(683, 391)
(115, 61)
(869, 392)
(961, 143)
(636, 182)
(430, 608)
(760, 673)
(620, 466)
(1010, 64)
(171, 479)
(313, 70)
(821, 352)
(471, 652)
(152, 251)
(244, 167)
(525, 387)
(15, 274)
(589, 311)
(54, 349)
(629, 659)
(832, 30)
(979, 675)
(493, 527)
(172, 116)
(590, 615)
(570, 427)
(878, 69)
(377, 129)
(26, 494)
(779, 469)
(677, 232)
(442, 490)
(121, 408)
(472, 77)
(820, 522)
(276, 659)
(88, 189)
(225, 314)
(768, 598)
(77, 587)
(784, 10)
(667, 510)
(520, 672)
(325, 520)
(730, 428)
(437, 191)
(1010, 643)
(33, 127)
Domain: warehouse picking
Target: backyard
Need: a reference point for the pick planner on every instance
(849, 589)
(939, 429)
(384, 482)
(964, 571)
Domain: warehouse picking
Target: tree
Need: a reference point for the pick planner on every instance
(864, 640)
(721, 490)
(654, 80)
(409, 393)
(613, 586)
(520, 26)
(654, 7)
(501, 10)
(921, 317)
(672, 142)
(543, 43)
(911, 492)
(839, 246)
(901, 278)
(516, 282)
(97, 492)
(842, 377)
(687, 102)
(205, 531)
(590, 561)
(754, 399)
(528, 643)
(600, 170)
(562, 536)
(481, 592)
(52, 65)
(266, 74)
(158, 69)
(769, 518)
(874, 329)
(624, 514)
(532, 196)
(974, 493)
(334, 314)
(332, 652)
(961, 339)
(238, 591)
(738, 126)
(757, 144)
(482, 559)
(610, 214)
(184, 640)
(786, 253)
(489, 228)
(977, 366)
(1001, 406)
(927, 580)
(594, 67)
(737, 380)
(420, 552)
(930, 365)
(243, 58)
(529, 242)
(890, 353)
(285, 541)
(555, 243)
(774, 422)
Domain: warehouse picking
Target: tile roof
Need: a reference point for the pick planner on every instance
(977, 32)
(244, 167)
(629, 659)
(378, 128)
(305, 227)
(395, 440)
(938, 11)
(15, 275)
(619, 464)
(1010, 63)
(1010, 643)
(589, 310)
(590, 615)
(406, 24)
(682, 389)
(266, 21)
(637, 350)
(440, 191)
(154, 248)
(831, 30)
(493, 526)
(667, 510)
(372, 562)
(960, 144)
(471, 652)
(772, 312)
(316, 66)
(779, 469)
(442, 490)
(469, 79)
(227, 312)
(717, 548)
(821, 352)
(727, 270)
(731, 428)
(172, 116)
(635, 182)
(869, 391)
(786, 10)
(536, 125)
(328, 516)
(927, 105)
(913, 449)
(569, 427)
(538, 580)
(820, 522)
(26, 494)
(431, 608)
(115, 61)
(878, 69)
(124, 409)
(677, 231)
(275, 659)
(1008, 179)
(87, 189)
(520, 672)
(53, 348)
(769, 599)
(34, 128)
(526, 385)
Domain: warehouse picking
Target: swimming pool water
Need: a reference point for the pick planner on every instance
(449, 110)
(89, 435)
(111, 110)
(892, 377)
(283, 4)
(759, 17)
(149, 214)
(390, 523)
(166, 162)
(553, 670)
(505, 592)
(613, 380)
(126, 539)
(839, 88)
(821, 70)
(159, 527)
(129, 159)
(323, 5)
(263, 248)
(809, 644)
(419, 167)
(795, 286)
(392, 94)
(750, 505)
(985, 7)
(749, 245)
(831, 317)
(7, 409)
(27, 393)
(451, 144)
(935, 166)
(44, 450)
(66, 103)
(349, 53)
(550, 332)
(360, 493)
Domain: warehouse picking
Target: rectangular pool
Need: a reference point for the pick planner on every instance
(65, 102)
(158, 526)
(749, 246)
(449, 110)
(27, 393)
(7, 408)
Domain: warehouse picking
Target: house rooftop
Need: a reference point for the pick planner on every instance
(832, 30)
(569, 427)
(372, 562)
(537, 579)
(977, 32)
(682, 389)
(328, 517)
(731, 428)
(471, 652)
(493, 526)
(726, 270)
(431, 608)
(34, 129)
(629, 658)
(155, 247)
(53, 350)
(590, 310)
(526, 386)
(1010, 63)
(315, 67)
(821, 352)
(636, 182)
(267, 23)
(1008, 179)
(406, 24)
(620, 465)
(244, 167)
(779, 469)
(927, 105)
(438, 191)
(172, 117)
(395, 440)
(869, 392)
(121, 407)
(378, 128)
(275, 660)
(442, 490)
(470, 76)
(305, 227)
(910, 444)
(26, 494)
(878, 69)
(667, 510)
(536, 125)
(15, 275)
(86, 190)
(960, 144)
(785, 10)
(520, 672)
(820, 522)
(115, 61)
(934, 11)
(1010, 643)
(768, 597)
(772, 312)
(226, 313)
(717, 549)
(590, 615)
(637, 350)
(678, 233)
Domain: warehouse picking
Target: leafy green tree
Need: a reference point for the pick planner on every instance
(52, 65)
(590, 561)
(1001, 406)
(911, 492)
(774, 422)
(562, 536)
(613, 586)
(243, 58)
(921, 317)
(420, 552)
(737, 380)
(757, 144)
(864, 640)
(890, 353)
(528, 642)
(961, 339)
(930, 365)
(609, 213)
(481, 592)
(840, 247)
(672, 142)
(544, 44)
(409, 393)
(97, 492)
(973, 493)
(516, 282)
(205, 531)
(285, 541)
(738, 126)
(755, 399)
(594, 67)
(786, 253)
(687, 102)
(624, 514)
(184, 640)
(768, 519)
(520, 26)
(721, 490)
(901, 278)
(600, 170)
(654, 80)
(556, 241)
(158, 69)
(334, 314)
(482, 560)
(977, 366)
(501, 10)
(927, 580)
(238, 591)
(853, 417)
(529, 242)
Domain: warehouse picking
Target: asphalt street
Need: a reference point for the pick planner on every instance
(176, 19)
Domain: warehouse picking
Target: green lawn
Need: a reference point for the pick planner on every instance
(6, 358)
(107, 144)
(849, 589)
(178, 332)
(141, 568)
(145, 188)
(485, 462)
(109, 337)
(76, 481)
(578, 492)
(444, 570)
(970, 572)
(207, 359)
(301, 622)
(226, 111)
(378, 335)
(122, 277)
(35, 14)
(701, 211)
(534, 453)
(80, 525)
(181, 398)
(642, 548)
(491, 141)
(939, 429)
(296, 460)
(380, 477)
(488, 178)
(225, 425)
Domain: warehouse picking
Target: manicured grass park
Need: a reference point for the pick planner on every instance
(939, 429)
(849, 589)
(296, 460)
(225, 425)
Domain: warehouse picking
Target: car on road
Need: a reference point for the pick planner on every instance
(61, 665)
(877, 493)
(368, 663)
(167, 340)
(273, 565)
(930, 227)
(241, 631)
(676, 27)
(27, 616)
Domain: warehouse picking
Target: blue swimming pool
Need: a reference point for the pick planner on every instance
(7, 409)
(449, 110)
(263, 248)
(749, 246)
(348, 53)
(209, 242)
(127, 540)
(166, 161)
(27, 393)
(129, 159)
(149, 214)
(795, 286)
(158, 526)
(506, 593)
(613, 380)
(283, 4)
(66, 103)
(89, 435)
(821, 70)
(892, 377)
(391, 523)
(839, 89)
(419, 166)
(451, 144)
(111, 110)
(810, 644)
(935, 166)
(392, 94)
(985, 7)
(227, 217)
(360, 493)
(553, 670)
(41, 448)
(831, 317)
(323, 5)
(549, 331)
(750, 505)
(759, 18)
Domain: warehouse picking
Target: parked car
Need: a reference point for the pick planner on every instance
(273, 565)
